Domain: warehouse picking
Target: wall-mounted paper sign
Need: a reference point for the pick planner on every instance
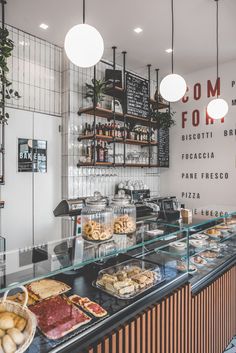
(32, 155)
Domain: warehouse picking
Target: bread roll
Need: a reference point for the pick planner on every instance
(16, 335)
(2, 308)
(8, 344)
(6, 321)
(20, 324)
(2, 333)
(1, 349)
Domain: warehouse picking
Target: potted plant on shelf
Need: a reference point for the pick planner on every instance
(164, 120)
(96, 91)
(6, 91)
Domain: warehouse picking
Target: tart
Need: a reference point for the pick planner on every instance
(88, 305)
(182, 266)
(57, 317)
(178, 246)
(200, 236)
(209, 255)
(213, 232)
(198, 260)
(46, 288)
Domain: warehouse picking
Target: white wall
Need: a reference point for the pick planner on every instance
(208, 193)
(27, 217)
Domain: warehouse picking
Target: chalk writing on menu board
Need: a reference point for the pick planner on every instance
(163, 147)
(137, 95)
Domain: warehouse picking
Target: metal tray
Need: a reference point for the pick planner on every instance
(127, 266)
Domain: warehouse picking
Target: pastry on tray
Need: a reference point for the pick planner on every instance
(209, 254)
(213, 232)
(198, 260)
(182, 266)
(57, 316)
(88, 305)
(127, 281)
(20, 298)
(46, 288)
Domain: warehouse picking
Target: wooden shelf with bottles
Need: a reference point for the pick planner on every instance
(110, 115)
(121, 92)
(111, 139)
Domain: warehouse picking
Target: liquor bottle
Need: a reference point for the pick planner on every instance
(98, 152)
(105, 153)
(99, 129)
(101, 152)
(85, 129)
(89, 152)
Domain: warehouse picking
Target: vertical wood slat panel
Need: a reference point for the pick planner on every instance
(180, 323)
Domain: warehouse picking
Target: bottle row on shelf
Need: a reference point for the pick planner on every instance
(102, 152)
(116, 130)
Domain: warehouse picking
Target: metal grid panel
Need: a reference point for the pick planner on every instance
(35, 70)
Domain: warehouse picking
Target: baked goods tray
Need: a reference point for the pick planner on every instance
(129, 279)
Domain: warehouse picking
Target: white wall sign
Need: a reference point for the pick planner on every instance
(202, 171)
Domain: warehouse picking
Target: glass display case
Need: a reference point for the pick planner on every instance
(116, 276)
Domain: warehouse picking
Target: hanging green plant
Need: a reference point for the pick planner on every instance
(7, 92)
(165, 119)
(96, 90)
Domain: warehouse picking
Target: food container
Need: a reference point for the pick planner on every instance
(129, 279)
(124, 214)
(97, 219)
(25, 313)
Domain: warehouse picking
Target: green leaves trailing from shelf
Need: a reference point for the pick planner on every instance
(96, 90)
(6, 48)
(164, 119)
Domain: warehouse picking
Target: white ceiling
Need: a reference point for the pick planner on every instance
(194, 28)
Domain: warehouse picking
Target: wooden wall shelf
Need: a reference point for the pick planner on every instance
(158, 105)
(111, 139)
(108, 114)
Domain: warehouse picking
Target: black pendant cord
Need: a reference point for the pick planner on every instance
(217, 44)
(172, 36)
(83, 11)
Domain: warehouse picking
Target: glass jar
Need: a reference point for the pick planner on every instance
(97, 219)
(124, 214)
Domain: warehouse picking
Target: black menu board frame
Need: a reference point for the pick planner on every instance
(163, 137)
(137, 95)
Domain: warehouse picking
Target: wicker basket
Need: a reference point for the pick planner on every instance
(23, 311)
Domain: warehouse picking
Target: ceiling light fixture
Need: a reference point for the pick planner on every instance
(43, 26)
(169, 50)
(138, 30)
(217, 108)
(173, 86)
(84, 45)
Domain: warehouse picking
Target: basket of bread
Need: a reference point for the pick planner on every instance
(17, 325)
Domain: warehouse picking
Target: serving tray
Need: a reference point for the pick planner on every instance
(127, 266)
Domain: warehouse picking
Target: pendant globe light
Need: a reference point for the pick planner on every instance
(217, 108)
(84, 45)
(173, 87)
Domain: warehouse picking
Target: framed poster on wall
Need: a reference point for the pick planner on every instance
(32, 155)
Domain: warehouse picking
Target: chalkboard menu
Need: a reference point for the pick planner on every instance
(163, 147)
(137, 95)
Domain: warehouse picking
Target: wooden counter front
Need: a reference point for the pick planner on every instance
(180, 323)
